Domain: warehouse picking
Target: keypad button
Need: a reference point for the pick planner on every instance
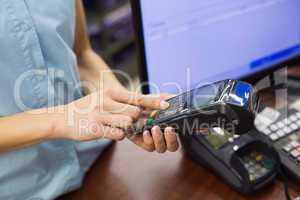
(267, 131)
(247, 165)
(252, 177)
(149, 122)
(231, 140)
(257, 167)
(251, 170)
(268, 164)
(298, 159)
(287, 148)
(259, 158)
(294, 137)
(287, 130)
(294, 126)
(236, 136)
(281, 133)
(286, 121)
(280, 124)
(298, 122)
(252, 163)
(295, 153)
(153, 114)
(264, 171)
(274, 137)
(293, 118)
(274, 127)
(298, 115)
(294, 144)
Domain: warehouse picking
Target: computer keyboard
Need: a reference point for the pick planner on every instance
(284, 134)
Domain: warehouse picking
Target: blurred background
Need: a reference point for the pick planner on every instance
(112, 35)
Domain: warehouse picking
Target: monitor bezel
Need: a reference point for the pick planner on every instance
(142, 59)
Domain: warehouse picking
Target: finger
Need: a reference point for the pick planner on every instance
(139, 141)
(148, 140)
(163, 96)
(99, 131)
(112, 133)
(166, 96)
(159, 141)
(116, 121)
(121, 108)
(151, 102)
(171, 139)
(134, 98)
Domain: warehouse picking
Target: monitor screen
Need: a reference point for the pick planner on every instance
(191, 42)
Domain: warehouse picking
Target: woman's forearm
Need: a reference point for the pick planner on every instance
(94, 72)
(24, 129)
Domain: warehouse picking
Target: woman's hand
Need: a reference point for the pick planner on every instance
(155, 139)
(96, 116)
(109, 114)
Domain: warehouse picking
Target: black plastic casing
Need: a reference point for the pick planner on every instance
(224, 111)
(226, 162)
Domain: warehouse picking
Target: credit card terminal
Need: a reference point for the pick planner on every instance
(214, 124)
(228, 104)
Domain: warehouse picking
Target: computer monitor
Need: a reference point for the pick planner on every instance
(186, 42)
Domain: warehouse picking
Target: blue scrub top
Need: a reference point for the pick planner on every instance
(39, 69)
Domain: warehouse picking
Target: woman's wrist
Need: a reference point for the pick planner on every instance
(26, 129)
(47, 121)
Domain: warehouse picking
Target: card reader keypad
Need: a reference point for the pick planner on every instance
(257, 165)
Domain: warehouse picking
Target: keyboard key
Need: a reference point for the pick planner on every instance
(295, 144)
(274, 137)
(281, 133)
(287, 148)
(298, 122)
(280, 124)
(298, 115)
(294, 127)
(267, 131)
(298, 159)
(295, 153)
(286, 121)
(287, 130)
(293, 118)
(274, 127)
(294, 137)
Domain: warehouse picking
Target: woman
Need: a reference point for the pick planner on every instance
(50, 133)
